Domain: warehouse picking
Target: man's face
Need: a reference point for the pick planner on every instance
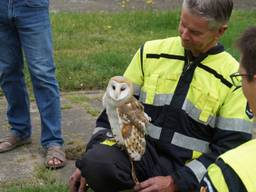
(195, 33)
(249, 89)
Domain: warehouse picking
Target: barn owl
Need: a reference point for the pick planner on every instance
(127, 118)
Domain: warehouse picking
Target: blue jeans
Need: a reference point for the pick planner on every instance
(25, 29)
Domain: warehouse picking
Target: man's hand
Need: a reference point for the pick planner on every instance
(76, 182)
(156, 184)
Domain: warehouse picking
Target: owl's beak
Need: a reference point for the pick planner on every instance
(116, 95)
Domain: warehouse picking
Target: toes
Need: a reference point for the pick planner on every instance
(57, 161)
(54, 162)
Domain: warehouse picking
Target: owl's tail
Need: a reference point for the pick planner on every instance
(133, 172)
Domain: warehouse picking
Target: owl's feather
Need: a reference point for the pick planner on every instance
(132, 111)
(133, 127)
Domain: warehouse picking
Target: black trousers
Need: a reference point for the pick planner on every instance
(108, 169)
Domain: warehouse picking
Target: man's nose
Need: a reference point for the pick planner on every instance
(185, 34)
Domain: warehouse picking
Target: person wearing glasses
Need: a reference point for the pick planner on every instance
(235, 170)
(197, 114)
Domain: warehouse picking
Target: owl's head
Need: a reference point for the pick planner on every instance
(119, 88)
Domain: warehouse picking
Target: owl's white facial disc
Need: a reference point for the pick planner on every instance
(118, 91)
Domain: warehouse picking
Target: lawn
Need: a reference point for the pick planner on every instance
(92, 47)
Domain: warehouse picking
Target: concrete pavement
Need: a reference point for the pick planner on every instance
(25, 164)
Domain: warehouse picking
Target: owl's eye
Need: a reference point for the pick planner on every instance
(122, 88)
(113, 87)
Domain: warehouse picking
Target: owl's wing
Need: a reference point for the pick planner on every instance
(104, 100)
(132, 112)
(139, 111)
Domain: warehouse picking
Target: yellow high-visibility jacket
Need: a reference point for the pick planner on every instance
(234, 171)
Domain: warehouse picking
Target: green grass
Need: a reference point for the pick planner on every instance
(240, 21)
(38, 188)
(92, 47)
(44, 181)
(84, 101)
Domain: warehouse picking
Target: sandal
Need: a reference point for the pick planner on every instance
(52, 153)
(11, 141)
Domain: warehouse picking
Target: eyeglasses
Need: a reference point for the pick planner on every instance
(236, 79)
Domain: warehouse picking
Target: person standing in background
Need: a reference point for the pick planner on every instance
(25, 28)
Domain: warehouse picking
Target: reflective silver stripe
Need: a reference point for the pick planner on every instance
(159, 99)
(136, 89)
(219, 122)
(163, 99)
(154, 131)
(209, 185)
(191, 143)
(213, 121)
(191, 110)
(234, 125)
(254, 129)
(194, 113)
(143, 96)
(198, 169)
(97, 129)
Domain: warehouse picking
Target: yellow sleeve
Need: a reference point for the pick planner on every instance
(232, 114)
(134, 71)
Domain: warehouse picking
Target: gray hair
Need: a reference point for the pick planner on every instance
(216, 12)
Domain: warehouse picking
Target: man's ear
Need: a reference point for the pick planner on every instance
(254, 77)
(222, 30)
